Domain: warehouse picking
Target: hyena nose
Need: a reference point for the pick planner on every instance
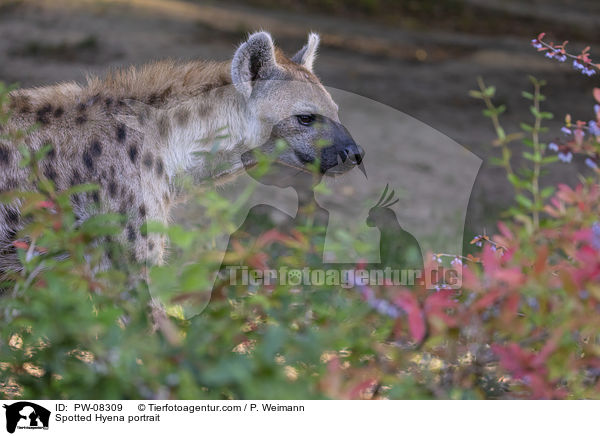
(353, 152)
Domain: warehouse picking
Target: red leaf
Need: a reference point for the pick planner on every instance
(416, 321)
(22, 245)
(46, 204)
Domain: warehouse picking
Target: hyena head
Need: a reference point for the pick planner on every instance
(287, 105)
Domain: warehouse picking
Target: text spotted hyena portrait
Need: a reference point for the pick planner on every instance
(134, 130)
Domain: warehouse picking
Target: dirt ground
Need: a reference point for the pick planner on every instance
(424, 71)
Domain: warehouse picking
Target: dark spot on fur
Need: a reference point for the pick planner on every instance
(182, 116)
(164, 126)
(148, 160)
(108, 102)
(50, 173)
(93, 100)
(121, 133)
(130, 233)
(5, 156)
(21, 103)
(58, 112)
(150, 245)
(143, 115)
(166, 198)
(96, 148)
(203, 109)
(112, 188)
(159, 167)
(133, 153)
(51, 155)
(81, 107)
(96, 197)
(11, 235)
(153, 99)
(88, 161)
(41, 116)
(75, 200)
(156, 99)
(12, 216)
(123, 207)
(112, 171)
(76, 178)
(142, 211)
(81, 119)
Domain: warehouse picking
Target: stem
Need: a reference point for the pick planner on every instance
(569, 55)
(498, 128)
(538, 152)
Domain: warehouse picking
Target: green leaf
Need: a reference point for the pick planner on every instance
(515, 180)
(500, 132)
(527, 95)
(547, 191)
(550, 159)
(475, 94)
(528, 142)
(489, 91)
(526, 127)
(180, 237)
(524, 201)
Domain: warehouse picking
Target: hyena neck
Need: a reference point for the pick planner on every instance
(190, 111)
(203, 135)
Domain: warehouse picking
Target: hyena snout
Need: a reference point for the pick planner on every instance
(342, 155)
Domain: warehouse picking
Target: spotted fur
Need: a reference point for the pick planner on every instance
(132, 131)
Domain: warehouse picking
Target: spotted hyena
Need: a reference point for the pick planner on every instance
(133, 131)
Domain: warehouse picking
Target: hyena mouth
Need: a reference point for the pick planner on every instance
(333, 162)
(336, 160)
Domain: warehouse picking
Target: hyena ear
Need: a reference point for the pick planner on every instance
(253, 60)
(307, 54)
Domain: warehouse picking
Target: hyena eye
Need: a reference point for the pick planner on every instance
(306, 120)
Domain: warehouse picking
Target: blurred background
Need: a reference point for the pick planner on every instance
(418, 56)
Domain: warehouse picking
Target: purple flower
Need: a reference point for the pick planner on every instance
(561, 57)
(588, 71)
(596, 108)
(536, 43)
(565, 157)
(533, 303)
(549, 54)
(596, 235)
(566, 130)
(456, 261)
(578, 65)
(552, 146)
(590, 163)
(594, 129)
